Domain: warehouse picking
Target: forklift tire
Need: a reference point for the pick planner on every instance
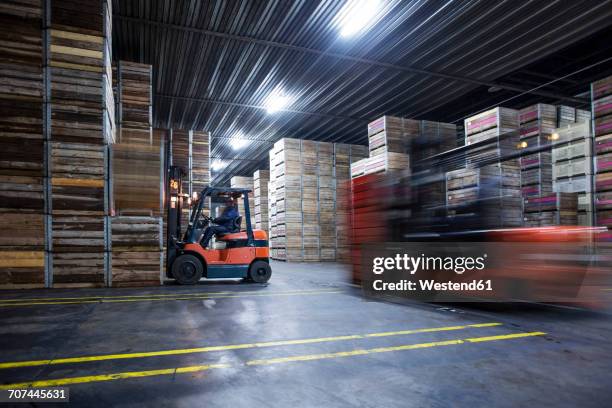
(260, 272)
(187, 269)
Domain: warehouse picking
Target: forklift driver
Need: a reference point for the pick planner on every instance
(223, 224)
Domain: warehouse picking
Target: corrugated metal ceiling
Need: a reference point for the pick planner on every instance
(216, 62)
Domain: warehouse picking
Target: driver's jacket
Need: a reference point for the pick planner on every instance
(227, 217)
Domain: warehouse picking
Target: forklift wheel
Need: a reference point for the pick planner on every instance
(260, 272)
(187, 269)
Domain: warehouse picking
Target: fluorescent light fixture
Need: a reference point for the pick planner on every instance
(356, 16)
(276, 101)
(238, 142)
(218, 165)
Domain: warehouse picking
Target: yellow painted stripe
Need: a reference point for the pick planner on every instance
(84, 359)
(112, 377)
(165, 299)
(324, 356)
(21, 300)
(308, 357)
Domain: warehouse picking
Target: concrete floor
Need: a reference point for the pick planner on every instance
(568, 366)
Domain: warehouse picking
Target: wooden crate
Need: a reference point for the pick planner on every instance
(245, 182)
(137, 256)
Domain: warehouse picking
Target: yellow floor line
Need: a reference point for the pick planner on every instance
(309, 357)
(208, 349)
(323, 356)
(22, 300)
(76, 302)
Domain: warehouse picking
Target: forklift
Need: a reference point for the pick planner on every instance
(237, 254)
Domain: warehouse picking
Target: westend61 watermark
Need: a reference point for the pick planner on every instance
(475, 271)
(411, 264)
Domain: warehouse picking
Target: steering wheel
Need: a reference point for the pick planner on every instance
(204, 221)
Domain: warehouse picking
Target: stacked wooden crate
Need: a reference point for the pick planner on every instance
(496, 186)
(261, 180)
(245, 182)
(572, 166)
(137, 257)
(273, 228)
(538, 123)
(136, 224)
(22, 146)
(568, 115)
(79, 65)
(551, 209)
(180, 148)
(344, 156)
(200, 160)
(136, 158)
(287, 174)
(601, 93)
(388, 140)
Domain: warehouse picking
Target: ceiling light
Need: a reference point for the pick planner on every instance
(218, 165)
(238, 142)
(276, 101)
(357, 15)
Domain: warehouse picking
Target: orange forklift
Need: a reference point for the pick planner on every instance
(238, 254)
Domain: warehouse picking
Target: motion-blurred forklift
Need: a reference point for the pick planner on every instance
(237, 254)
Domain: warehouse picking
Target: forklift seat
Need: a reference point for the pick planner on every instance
(237, 224)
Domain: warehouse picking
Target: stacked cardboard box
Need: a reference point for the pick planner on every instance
(261, 181)
(551, 209)
(538, 123)
(245, 182)
(79, 65)
(572, 166)
(22, 146)
(601, 93)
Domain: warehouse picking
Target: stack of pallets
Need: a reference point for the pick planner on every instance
(22, 158)
(601, 93)
(551, 209)
(261, 180)
(538, 123)
(389, 143)
(200, 160)
(245, 182)
(572, 158)
(79, 65)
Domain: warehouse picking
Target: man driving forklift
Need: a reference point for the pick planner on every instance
(224, 224)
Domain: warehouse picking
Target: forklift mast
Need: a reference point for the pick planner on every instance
(174, 200)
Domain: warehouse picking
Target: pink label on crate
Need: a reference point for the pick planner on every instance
(603, 146)
(527, 116)
(602, 165)
(605, 202)
(528, 162)
(530, 190)
(601, 89)
(603, 127)
(529, 130)
(603, 184)
(543, 200)
(603, 107)
(482, 122)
